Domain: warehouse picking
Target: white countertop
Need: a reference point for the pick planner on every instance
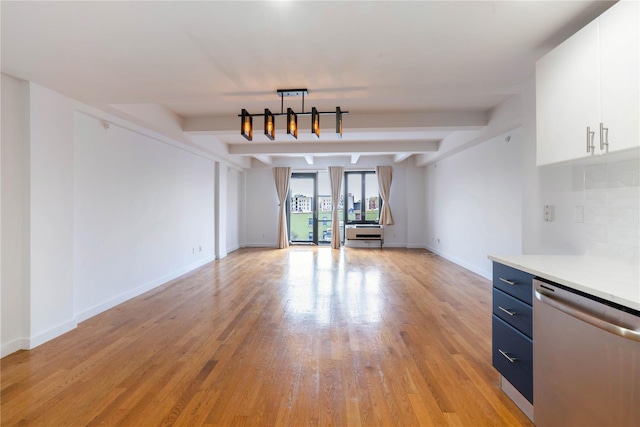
(610, 280)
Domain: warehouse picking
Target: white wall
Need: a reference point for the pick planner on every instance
(261, 208)
(143, 214)
(460, 196)
(473, 203)
(13, 203)
(50, 214)
(415, 206)
(234, 197)
(90, 216)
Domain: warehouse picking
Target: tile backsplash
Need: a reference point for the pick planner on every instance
(612, 210)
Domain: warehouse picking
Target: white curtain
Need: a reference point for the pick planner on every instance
(385, 176)
(282, 177)
(335, 176)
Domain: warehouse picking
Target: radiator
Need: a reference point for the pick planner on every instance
(365, 232)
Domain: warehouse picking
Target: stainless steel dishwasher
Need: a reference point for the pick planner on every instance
(586, 358)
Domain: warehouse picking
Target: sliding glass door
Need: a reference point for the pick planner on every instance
(302, 208)
(309, 208)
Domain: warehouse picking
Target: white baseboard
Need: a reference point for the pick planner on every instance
(13, 346)
(99, 308)
(415, 246)
(394, 245)
(51, 333)
(259, 245)
(470, 267)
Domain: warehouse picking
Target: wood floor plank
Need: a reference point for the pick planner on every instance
(306, 336)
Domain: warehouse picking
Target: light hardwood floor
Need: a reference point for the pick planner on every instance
(302, 336)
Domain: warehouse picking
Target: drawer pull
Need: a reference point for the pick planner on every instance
(509, 358)
(508, 282)
(509, 312)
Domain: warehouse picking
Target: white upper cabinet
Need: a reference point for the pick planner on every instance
(620, 74)
(567, 99)
(591, 78)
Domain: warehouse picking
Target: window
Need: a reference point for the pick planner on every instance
(362, 196)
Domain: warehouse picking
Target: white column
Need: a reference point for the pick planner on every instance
(220, 209)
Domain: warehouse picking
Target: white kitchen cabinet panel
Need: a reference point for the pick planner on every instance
(589, 79)
(620, 74)
(565, 99)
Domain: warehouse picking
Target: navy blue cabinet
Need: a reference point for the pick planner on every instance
(513, 311)
(514, 282)
(512, 347)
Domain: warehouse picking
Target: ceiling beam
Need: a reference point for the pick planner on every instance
(373, 147)
(451, 120)
(267, 160)
(401, 157)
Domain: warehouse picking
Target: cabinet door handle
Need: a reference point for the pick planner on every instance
(590, 137)
(604, 137)
(508, 282)
(506, 310)
(509, 358)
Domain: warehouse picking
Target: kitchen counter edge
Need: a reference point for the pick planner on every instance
(611, 280)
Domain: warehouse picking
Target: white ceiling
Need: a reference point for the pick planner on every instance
(446, 63)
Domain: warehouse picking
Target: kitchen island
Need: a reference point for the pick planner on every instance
(584, 342)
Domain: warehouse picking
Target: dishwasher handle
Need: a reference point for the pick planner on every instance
(589, 318)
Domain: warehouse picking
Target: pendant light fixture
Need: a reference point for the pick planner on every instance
(246, 121)
(246, 126)
(292, 123)
(315, 122)
(269, 124)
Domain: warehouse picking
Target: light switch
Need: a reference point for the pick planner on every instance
(548, 213)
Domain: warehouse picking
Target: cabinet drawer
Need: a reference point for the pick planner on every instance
(514, 282)
(513, 311)
(518, 347)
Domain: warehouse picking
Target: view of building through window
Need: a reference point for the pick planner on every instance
(310, 192)
(359, 183)
(302, 205)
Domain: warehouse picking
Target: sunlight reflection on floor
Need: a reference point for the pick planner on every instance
(322, 288)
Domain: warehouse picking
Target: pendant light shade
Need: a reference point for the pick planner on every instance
(246, 128)
(269, 124)
(315, 122)
(292, 123)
